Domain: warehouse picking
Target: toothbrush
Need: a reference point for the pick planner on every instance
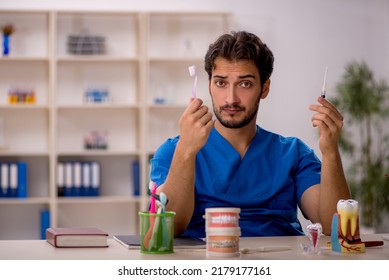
(324, 90)
(153, 190)
(165, 233)
(154, 232)
(146, 239)
(160, 219)
(192, 73)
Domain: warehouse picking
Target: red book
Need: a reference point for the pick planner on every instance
(76, 237)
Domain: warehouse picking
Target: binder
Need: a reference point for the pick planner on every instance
(1, 185)
(136, 177)
(13, 180)
(77, 170)
(22, 179)
(45, 222)
(4, 179)
(60, 179)
(95, 182)
(68, 179)
(86, 179)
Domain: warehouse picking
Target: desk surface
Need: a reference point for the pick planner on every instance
(41, 250)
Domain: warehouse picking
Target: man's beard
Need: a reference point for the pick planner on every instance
(251, 114)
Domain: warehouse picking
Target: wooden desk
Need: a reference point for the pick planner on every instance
(41, 250)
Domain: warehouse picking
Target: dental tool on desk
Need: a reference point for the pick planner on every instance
(324, 89)
(265, 249)
(192, 73)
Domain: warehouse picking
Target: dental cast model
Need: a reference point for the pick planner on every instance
(345, 236)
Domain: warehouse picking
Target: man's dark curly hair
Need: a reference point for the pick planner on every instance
(241, 45)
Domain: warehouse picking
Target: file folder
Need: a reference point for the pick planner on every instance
(4, 179)
(95, 182)
(77, 180)
(136, 178)
(60, 179)
(86, 179)
(68, 179)
(13, 180)
(22, 180)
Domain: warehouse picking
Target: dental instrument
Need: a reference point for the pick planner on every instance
(265, 249)
(324, 89)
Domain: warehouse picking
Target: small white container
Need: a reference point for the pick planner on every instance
(223, 242)
(222, 217)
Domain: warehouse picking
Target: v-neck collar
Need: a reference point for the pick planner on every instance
(229, 148)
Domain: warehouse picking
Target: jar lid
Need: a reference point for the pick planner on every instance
(222, 210)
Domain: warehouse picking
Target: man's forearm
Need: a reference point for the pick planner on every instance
(333, 188)
(179, 187)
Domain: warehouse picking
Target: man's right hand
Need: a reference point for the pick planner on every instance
(195, 126)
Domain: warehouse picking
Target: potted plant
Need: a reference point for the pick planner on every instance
(363, 102)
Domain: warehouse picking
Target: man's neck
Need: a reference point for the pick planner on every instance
(239, 138)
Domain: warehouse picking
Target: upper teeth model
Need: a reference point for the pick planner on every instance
(348, 211)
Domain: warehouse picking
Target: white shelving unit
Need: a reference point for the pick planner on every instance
(145, 70)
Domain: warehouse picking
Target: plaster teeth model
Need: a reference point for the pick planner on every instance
(348, 211)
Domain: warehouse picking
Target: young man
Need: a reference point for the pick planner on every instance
(232, 162)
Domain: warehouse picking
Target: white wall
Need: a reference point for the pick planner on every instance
(305, 36)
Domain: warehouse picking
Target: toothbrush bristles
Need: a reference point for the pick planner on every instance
(192, 70)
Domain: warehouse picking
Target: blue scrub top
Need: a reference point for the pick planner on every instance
(267, 183)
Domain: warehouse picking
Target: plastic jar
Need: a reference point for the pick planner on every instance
(222, 217)
(223, 242)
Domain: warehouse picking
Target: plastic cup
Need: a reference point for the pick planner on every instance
(156, 232)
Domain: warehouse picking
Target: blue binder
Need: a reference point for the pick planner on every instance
(136, 177)
(86, 179)
(22, 180)
(45, 222)
(60, 179)
(13, 180)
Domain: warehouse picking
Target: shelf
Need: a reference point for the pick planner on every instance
(22, 107)
(99, 200)
(141, 65)
(24, 74)
(25, 201)
(99, 153)
(30, 37)
(97, 58)
(24, 59)
(122, 42)
(120, 79)
(90, 106)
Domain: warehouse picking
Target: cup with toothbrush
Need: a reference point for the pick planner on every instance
(157, 228)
